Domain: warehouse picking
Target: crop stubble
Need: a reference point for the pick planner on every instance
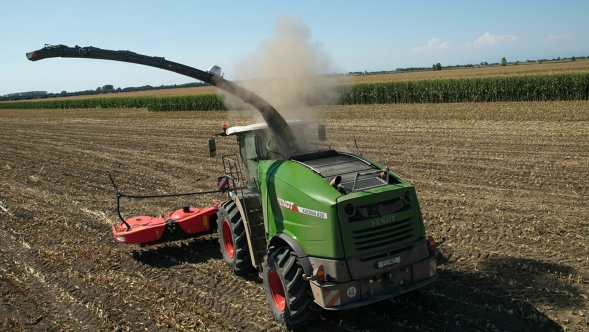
(506, 184)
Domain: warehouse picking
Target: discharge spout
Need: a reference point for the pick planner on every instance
(276, 123)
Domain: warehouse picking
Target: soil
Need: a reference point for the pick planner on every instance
(509, 197)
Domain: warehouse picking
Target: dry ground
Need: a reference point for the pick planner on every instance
(506, 184)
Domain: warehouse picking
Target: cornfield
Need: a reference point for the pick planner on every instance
(561, 87)
(564, 87)
(208, 102)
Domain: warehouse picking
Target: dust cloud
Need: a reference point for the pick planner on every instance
(290, 71)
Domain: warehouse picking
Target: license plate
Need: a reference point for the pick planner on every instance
(390, 261)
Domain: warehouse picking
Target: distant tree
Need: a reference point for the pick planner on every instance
(503, 61)
(63, 93)
(98, 89)
(107, 87)
(573, 58)
(437, 66)
(558, 58)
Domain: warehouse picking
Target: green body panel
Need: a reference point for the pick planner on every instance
(298, 202)
(417, 227)
(290, 192)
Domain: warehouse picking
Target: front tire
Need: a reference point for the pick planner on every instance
(233, 238)
(289, 295)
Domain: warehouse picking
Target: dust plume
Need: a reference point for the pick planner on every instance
(290, 71)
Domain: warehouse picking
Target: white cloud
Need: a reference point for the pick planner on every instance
(489, 40)
(555, 38)
(434, 44)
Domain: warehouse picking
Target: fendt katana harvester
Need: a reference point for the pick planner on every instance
(325, 229)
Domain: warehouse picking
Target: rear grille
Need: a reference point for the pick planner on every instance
(366, 183)
(383, 235)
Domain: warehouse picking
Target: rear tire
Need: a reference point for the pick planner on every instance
(288, 294)
(233, 238)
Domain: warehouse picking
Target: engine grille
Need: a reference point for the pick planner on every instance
(389, 233)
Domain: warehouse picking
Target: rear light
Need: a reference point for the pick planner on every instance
(224, 126)
(320, 274)
(408, 197)
(349, 209)
(431, 243)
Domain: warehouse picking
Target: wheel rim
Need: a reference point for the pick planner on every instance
(228, 239)
(277, 291)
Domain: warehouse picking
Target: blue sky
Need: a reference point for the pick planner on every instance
(356, 35)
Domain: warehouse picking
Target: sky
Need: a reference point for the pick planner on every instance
(355, 36)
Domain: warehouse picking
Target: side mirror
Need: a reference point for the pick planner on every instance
(321, 133)
(212, 147)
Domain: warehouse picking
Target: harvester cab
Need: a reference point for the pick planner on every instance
(257, 143)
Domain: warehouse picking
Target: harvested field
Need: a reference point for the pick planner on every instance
(506, 184)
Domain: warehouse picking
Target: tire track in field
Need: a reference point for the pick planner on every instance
(151, 278)
(77, 286)
(459, 168)
(46, 281)
(210, 286)
(223, 307)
